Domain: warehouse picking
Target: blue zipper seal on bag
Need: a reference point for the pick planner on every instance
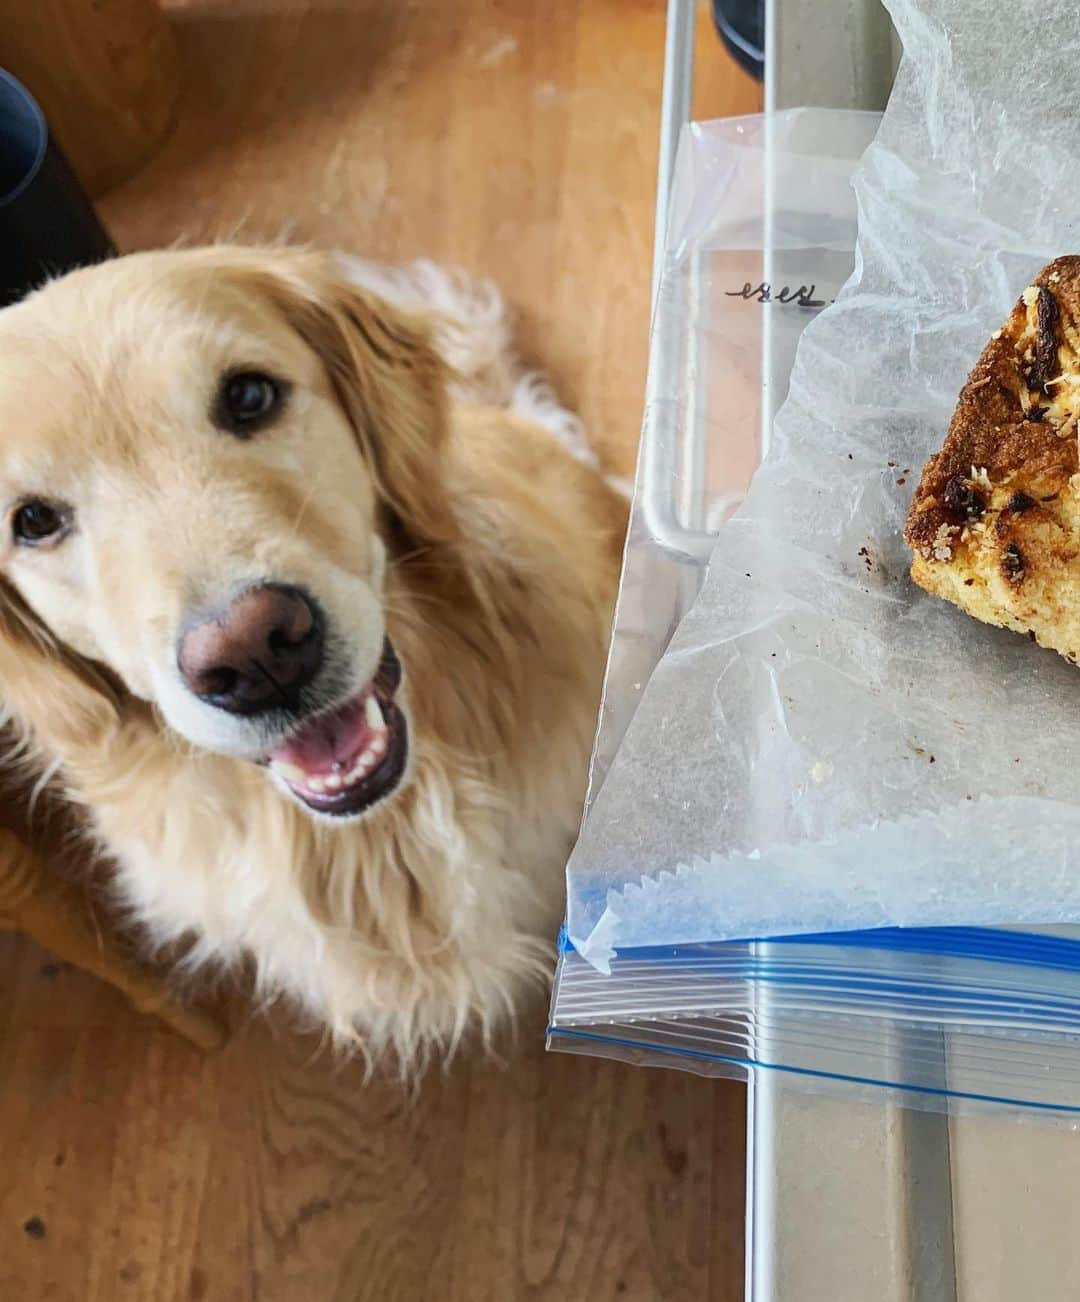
(989, 944)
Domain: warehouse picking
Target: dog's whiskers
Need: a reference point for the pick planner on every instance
(397, 561)
(303, 510)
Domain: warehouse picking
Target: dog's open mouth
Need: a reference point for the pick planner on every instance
(343, 762)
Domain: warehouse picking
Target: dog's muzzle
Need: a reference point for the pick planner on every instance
(344, 761)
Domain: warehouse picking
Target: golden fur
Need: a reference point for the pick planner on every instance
(417, 500)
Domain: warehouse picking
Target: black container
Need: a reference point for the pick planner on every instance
(741, 24)
(47, 224)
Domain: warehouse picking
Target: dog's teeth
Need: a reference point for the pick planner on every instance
(315, 784)
(333, 782)
(378, 744)
(367, 761)
(290, 772)
(374, 715)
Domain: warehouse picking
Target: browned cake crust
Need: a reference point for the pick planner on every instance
(995, 522)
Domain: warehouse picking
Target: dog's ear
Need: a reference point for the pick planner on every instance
(388, 377)
(58, 701)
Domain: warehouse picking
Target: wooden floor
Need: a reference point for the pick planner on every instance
(518, 139)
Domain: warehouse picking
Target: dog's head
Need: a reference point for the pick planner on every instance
(207, 459)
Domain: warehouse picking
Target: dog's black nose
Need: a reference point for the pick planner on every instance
(256, 654)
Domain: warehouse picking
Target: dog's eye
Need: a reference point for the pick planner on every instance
(38, 522)
(246, 401)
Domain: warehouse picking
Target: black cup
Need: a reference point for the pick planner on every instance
(47, 224)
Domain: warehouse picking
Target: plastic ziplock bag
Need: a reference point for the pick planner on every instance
(952, 1017)
(823, 746)
(720, 814)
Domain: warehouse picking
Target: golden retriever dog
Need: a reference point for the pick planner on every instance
(305, 591)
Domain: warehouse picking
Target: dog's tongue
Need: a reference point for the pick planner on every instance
(332, 742)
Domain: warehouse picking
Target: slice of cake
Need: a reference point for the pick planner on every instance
(995, 523)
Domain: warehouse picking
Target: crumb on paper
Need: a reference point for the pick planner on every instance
(821, 770)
